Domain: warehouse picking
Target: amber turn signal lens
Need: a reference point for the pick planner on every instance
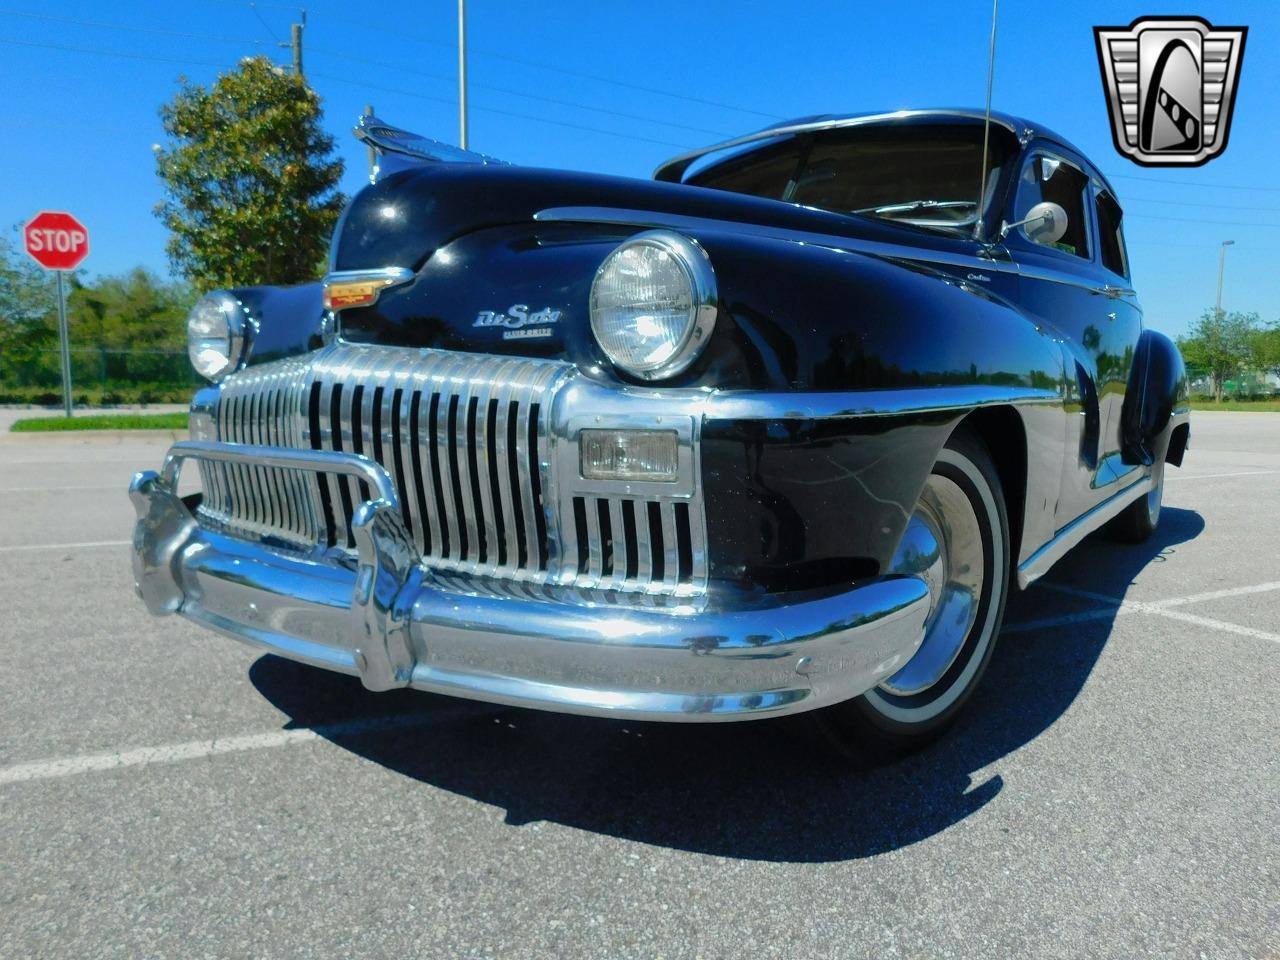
(352, 293)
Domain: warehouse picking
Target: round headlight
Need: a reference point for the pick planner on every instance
(218, 328)
(653, 304)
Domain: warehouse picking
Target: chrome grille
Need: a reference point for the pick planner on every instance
(626, 543)
(465, 439)
(262, 406)
(463, 436)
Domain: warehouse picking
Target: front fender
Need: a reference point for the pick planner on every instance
(287, 320)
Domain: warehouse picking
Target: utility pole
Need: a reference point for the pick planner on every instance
(1222, 262)
(295, 41)
(462, 74)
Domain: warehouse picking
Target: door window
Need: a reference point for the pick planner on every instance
(1110, 236)
(1051, 179)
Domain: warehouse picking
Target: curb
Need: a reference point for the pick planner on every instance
(91, 436)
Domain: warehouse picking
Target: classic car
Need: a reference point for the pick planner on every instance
(777, 431)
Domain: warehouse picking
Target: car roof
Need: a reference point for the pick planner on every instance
(1020, 127)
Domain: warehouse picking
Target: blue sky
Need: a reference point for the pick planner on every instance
(617, 87)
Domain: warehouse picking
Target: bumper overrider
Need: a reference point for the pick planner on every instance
(393, 621)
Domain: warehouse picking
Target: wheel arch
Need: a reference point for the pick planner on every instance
(1003, 433)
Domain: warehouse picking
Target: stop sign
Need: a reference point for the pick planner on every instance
(57, 241)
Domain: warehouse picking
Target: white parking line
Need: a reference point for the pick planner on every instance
(1116, 607)
(114, 486)
(1212, 624)
(22, 547)
(1217, 476)
(195, 749)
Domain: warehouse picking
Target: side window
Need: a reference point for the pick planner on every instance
(1046, 178)
(1110, 236)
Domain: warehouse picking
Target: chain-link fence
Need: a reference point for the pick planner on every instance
(98, 376)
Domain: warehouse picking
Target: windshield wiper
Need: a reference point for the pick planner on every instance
(911, 206)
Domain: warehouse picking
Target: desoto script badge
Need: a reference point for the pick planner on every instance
(1171, 86)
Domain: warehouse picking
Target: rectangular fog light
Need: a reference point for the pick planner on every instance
(650, 455)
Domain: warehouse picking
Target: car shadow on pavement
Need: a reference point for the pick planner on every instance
(766, 790)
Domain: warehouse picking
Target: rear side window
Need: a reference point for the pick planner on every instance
(1047, 178)
(1110, 236)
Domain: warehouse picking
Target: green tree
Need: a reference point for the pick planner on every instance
(1266, 349)
(135, 310)
(1221, 345)
(28, 314)
(250, 179)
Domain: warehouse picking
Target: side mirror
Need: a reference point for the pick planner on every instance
(1046, 223)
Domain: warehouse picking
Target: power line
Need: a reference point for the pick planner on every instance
(506, 113)
(1220, 223)
(262, 20)
(538, 65)
(1180, 183)
(97, 51)
(130, 28)
(102, 24)
(520, 93)
(1212, 206)
(111, 53)
(292, 7)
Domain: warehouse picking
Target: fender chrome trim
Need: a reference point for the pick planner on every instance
(772, 405)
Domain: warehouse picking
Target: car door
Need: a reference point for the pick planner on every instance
(1120, 331)
(1064, 290)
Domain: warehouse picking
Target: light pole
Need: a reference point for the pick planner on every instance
(1222, 261)
(462, 74)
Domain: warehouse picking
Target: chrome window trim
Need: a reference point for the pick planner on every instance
(675, 168)
(1030, 157)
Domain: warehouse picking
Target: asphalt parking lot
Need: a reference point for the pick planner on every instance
(1114, 790)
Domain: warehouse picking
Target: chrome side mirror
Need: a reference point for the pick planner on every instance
(1046, 223)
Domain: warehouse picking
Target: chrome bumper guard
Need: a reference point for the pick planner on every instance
(394, 622)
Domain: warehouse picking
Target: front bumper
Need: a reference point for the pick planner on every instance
(393, 622)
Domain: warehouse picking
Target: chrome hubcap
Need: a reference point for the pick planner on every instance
(942, 546)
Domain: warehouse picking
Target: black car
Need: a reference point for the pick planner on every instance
(777, 431)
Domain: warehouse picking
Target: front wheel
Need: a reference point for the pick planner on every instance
(957, 542)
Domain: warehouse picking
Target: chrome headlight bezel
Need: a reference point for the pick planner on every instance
(227, 333)
(695, 266)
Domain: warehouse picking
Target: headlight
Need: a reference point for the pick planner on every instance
(653, 304)
(218, 330)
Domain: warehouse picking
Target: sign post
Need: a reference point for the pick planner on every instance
(58, 242)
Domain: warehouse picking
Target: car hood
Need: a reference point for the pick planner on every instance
(402, 219)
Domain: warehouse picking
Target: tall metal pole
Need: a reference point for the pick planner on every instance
(64, 336)
(1222, 262)
(986, 127)
(462, 74)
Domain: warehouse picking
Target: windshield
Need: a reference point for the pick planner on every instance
(926, 175)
